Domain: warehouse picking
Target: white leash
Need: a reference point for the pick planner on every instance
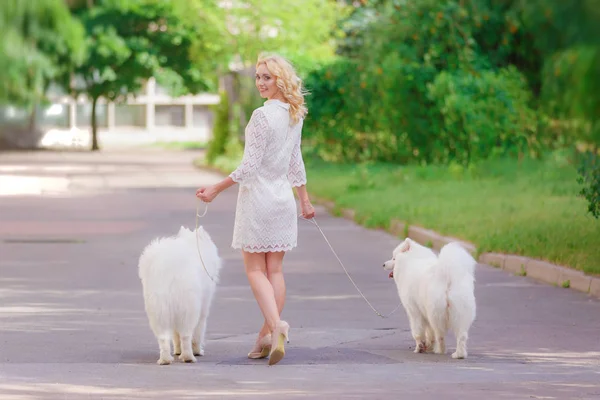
(314, 221)
(198, 216)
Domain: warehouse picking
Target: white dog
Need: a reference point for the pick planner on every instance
(437, 293)
(178, 292)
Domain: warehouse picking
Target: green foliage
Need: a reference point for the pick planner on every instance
(589, 171)
(221, 130)
(560, 24)
(568, 37)
(354, 28)
(210, 50)
(421, 90)
(298, 30)
(571, 91)
(129, 41)
(338, 123)
(38, 41)
(444, 81)
(566, 40)
(505, 38)
(483, 115)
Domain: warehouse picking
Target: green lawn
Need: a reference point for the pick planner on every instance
(531, 208)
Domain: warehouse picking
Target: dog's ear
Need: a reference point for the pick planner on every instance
(406, 246)
(402, 247)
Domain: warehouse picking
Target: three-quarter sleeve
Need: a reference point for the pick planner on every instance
(297, 172)
(256, 136)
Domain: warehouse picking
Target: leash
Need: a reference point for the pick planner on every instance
(314, 221)
(198, 216)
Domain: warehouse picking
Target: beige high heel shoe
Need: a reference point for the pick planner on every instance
(279, 337)
(262, 348)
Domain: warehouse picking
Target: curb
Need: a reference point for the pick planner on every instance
(539, 270)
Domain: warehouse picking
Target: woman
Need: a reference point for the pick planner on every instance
(266, 224)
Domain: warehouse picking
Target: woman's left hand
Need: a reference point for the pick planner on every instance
(207, 194)
(308, 211)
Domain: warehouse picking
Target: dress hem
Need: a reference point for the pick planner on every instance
(258, 249)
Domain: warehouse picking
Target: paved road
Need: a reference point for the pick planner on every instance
(72, 322)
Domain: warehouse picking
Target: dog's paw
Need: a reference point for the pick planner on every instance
(439, 346)
(176, 348)
(165, 361)
(198, 350)
(420, 348)
(459, 356)
(187, 358)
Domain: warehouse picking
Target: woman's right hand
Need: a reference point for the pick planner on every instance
(308, 211)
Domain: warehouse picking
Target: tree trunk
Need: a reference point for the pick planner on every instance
(94, 126)
(32, 116)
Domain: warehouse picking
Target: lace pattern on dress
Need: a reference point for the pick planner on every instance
(254, 148)
(297, 173)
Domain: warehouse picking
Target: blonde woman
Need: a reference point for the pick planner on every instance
(266, 224)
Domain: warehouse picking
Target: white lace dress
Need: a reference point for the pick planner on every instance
(266, 218)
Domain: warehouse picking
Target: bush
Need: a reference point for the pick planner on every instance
(483, 114)
(333, 118)
(589, 172)
(408, 111)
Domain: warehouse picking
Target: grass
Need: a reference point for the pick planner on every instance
(529, 208)
(184, 145)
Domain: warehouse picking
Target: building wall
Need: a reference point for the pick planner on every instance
(151, 109)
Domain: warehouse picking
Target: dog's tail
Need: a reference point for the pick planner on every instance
(456, 263)
(458, 268)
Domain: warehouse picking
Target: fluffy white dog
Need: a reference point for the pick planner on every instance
(437, 293)
(178, 292)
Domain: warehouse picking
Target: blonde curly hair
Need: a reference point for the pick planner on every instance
(288, 83)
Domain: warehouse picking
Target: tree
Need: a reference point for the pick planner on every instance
(39, 41)
(355, 26)
(130, 41)
(299, 30)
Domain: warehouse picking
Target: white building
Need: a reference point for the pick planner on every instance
(151, 116)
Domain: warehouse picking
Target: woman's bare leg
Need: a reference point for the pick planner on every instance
(256, 271)
(275, 276)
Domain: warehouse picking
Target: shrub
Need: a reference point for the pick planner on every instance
(589, 172)
(483, 114)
